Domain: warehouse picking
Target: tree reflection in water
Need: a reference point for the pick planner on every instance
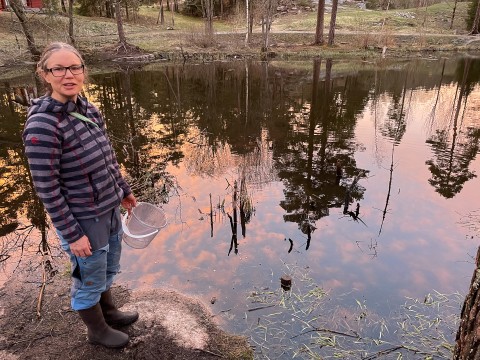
(455, 145)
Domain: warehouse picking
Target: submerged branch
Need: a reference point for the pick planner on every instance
(389, 190)
(327, 331)
(383, 352)
(262, 307)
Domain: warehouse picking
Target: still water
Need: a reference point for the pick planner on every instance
(356, 179)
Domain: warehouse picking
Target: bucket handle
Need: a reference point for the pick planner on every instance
(128, 233)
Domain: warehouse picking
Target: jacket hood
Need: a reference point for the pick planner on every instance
(47, 104)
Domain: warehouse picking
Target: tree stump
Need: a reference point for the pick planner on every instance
(286, 282)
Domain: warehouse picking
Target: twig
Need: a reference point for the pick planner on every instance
(42, 288)
(327, 331)
(211, 217)
(383, 352)
(211, 353)
(40, 296)
(291, 245)
(262, 307)
(222, 311)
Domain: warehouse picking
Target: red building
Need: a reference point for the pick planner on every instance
(29, 4)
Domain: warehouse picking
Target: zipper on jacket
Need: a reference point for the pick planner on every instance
(95, 190)
(77, 135)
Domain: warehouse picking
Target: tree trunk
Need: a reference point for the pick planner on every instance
(64, 8)
(320, 23)
(247, 35)
(70, 22)
(453, 14)
(267, 20)
(158, 17)
(385, 14)
(425, 14)
(333, 21)
(467, 343)
(17, 8)
(476, 21)
(108, 9)
(161, 17)
(121, 33)
(250, 28)
(208, 13)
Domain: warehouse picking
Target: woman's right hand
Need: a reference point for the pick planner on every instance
(81, 247)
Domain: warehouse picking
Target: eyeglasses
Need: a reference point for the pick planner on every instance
(62, 70)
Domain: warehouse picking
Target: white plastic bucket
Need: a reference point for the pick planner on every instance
(143, 224)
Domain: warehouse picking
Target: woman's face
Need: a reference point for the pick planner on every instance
(65, 85)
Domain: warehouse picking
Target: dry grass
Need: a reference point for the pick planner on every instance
(308, 323)
(400, 21)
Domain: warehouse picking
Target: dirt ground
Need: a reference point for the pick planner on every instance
(171, 326)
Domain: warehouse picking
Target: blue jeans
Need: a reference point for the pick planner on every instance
(94, 274)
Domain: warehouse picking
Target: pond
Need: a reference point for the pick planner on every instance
(358, 180)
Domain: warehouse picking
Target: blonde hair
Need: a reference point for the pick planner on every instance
(47, 52)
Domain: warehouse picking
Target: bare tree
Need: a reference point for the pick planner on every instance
(172, 13)
(121, 32)
(425, 13)
(333, 21)
(208, 15)
(267, 19)
(161, 16)
(476, 21)
(247, 35)
(19, 11)
(453, 13)
(64, 8)
(320, 23)
(385, 14)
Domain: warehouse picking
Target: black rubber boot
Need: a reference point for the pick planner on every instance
(98, 330)
(112, 315)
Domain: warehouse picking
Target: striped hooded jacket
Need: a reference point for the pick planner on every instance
(73, 166)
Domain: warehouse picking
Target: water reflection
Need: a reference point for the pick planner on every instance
(455, 145)
(340, 168)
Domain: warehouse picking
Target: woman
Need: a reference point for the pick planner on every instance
(77, 177)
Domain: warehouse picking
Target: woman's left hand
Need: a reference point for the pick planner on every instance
(129, 202)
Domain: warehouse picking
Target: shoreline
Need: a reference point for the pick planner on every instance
(285, 46)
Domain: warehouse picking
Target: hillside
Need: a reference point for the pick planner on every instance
(359, 32)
